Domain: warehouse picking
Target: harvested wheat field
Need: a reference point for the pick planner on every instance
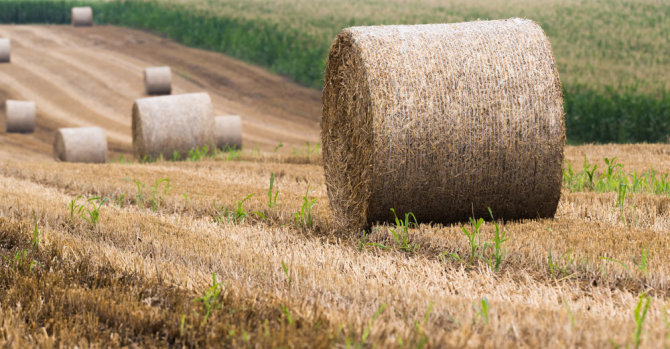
(124, 253)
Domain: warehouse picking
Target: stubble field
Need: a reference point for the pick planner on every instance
(137, 267)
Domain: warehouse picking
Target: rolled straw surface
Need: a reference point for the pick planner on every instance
(81, 144)
(82, 16)
(165, 124)
(5, 50)
(20, 116)
(442, 120)
(157, 80)
(228, 132)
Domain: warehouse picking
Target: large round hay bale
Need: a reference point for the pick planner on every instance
(81, 144)
(157, 80)
(82, 16)
(20, 116)
(442, 120)
(5, 50)
(168, 124)
(228, 132)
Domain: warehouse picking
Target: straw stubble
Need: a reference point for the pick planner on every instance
(442, 120)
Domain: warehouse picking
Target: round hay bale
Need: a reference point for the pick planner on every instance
(157, 80)
(228, 132)
(444, 121)
(168, 124)
(81, 144)
(5, 48)
(82, 16)
(20, 116)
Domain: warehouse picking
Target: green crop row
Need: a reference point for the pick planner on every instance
(593, 114)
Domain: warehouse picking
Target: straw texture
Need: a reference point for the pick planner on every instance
(81, 144)
(228, 132)
(165, 124)
(444, 121)
(157, 80)
(20, 116)
(82, 16)
(5, 50)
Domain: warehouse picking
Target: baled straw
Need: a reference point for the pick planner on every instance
(5, 50)
(169, 124)
(20, 116)
(228, 132)
(444, 121)
(157, 80)
(81, 144)
(82, 16)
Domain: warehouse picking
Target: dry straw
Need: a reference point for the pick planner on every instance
(20, 116)
(228, 132)
(82, 16)
(168, 124)
(5, 50)
(442, 120)
(82, 144)
(157, 80)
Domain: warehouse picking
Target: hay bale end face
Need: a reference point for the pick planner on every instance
(168, 124)
(5, 50)
(82, 16)
(157, 80)
(442, 120)
(228, 132)
(20, 116)
(81, 144)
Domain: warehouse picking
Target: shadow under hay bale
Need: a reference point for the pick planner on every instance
(442, 120)
(82, 16)
(5, 50)
(168, 124)
(20, 116)
(157, 80)
(81, 144)
(228, 132)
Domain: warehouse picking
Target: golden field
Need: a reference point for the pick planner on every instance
(137, 274)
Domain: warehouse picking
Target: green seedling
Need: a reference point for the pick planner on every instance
(640, 313)
(287, 314)
(272, 196)
(401, 231)
(498, 239)
(473, 237)
(621, 200)
(156, 194)
(35, 241)
(286, 272)
(93, 209)
(377, 314)
(74, 206)
(482, 311)
(279, 146)
(420, 328)
(237, 215)
(303, 218)
(210, 300)
(642, 264)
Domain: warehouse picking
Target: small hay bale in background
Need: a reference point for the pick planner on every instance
(82, 16)
(442, 120)
(81, 144)
(5, 50)
(228, 132)
(168, 124)
(157, 80)
(20, 116)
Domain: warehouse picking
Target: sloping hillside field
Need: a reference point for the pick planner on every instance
(241, 248)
